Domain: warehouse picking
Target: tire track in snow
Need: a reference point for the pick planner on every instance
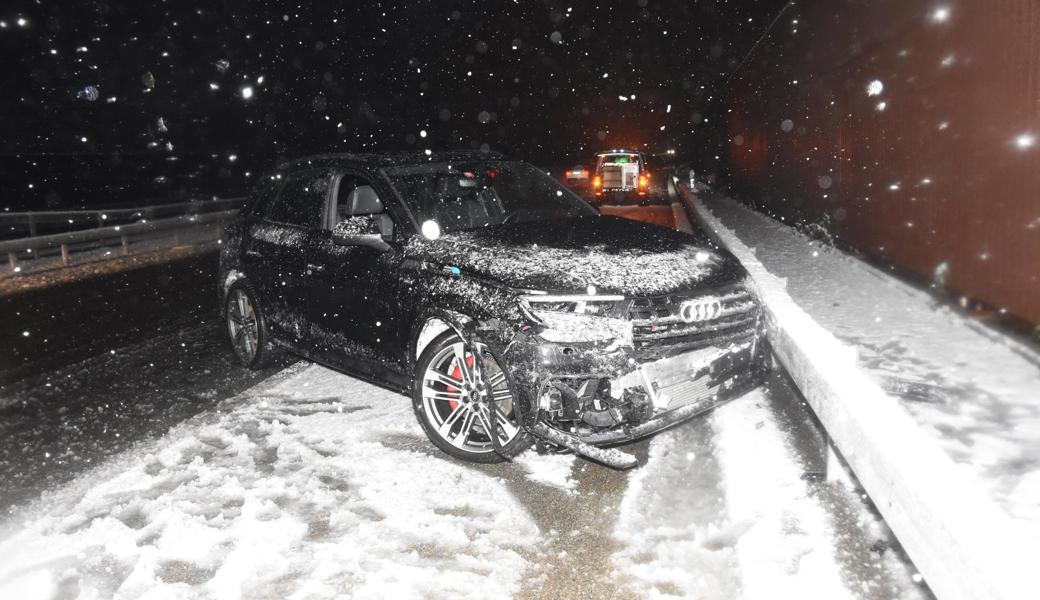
(784, 544)
(672, 541)
(723, 510)
(577, 525)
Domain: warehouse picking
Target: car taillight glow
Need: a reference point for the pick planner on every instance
(597, 182)
(644, 181)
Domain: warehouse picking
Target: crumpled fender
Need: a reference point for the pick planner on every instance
(493, 333)
(453, 319)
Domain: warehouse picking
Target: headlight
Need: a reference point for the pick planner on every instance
(579, 318)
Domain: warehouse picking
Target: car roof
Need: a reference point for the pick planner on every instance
(618, 151)
(375, 161)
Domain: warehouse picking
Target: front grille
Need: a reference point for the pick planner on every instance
(689, 392)
(659, 330)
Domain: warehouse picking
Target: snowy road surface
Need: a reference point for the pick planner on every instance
(313, 484)
(167, 471)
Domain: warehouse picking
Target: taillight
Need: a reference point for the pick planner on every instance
(597, 182)
(644, 181)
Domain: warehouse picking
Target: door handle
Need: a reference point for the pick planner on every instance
(314, 268)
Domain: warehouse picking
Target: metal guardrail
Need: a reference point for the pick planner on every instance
(30, 222)
(25, 253)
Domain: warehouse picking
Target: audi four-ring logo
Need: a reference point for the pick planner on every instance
(701, 309)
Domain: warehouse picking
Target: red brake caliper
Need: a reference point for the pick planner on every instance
(456, 373)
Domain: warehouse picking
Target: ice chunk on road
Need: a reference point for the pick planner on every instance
(549, 469)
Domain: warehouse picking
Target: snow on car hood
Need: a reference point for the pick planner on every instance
(614, 255)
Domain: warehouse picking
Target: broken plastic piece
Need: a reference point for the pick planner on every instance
(612, 457)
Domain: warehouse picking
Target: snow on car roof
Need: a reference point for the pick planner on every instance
(381, 160)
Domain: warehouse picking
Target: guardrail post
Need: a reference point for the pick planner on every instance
(13, 260)
(32, 226)
(64, 255)
(126, 244)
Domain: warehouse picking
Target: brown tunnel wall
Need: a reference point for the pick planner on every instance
(943, 172)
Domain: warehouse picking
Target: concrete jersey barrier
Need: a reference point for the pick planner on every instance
(964, 544)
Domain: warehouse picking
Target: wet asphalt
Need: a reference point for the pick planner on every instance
(89, 368)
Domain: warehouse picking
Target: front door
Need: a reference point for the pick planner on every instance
(354, 292)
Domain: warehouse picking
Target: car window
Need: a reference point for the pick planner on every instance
(340, 208)
(263, 194)
(345, 191)
(618, 159)
(461, 196)
(301, 199)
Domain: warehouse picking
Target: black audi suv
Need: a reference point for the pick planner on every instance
(504, 305)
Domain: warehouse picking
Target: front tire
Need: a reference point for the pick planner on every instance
(450, 397)
(246, 328)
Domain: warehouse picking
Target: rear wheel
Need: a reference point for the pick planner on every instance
(454, 385)
(247, 328)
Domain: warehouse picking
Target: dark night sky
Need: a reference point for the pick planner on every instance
(114, 103)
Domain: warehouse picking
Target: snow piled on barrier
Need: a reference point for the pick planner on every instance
(948, 516)
(975, 393)
(316, 487)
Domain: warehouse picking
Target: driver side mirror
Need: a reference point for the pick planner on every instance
(364, 230)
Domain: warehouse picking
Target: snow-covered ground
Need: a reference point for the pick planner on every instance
(976, 393)
(308, 488)
(315, 485)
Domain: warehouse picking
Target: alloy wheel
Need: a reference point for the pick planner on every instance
(242, 325)
(456, 393)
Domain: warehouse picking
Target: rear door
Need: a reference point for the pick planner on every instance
(354, 291)
(277, 257)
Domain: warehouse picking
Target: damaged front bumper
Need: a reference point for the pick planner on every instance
(586, 396)
(684, 386)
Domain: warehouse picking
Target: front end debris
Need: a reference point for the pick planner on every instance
(653, 363)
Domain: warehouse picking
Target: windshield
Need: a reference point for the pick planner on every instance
(618, 159)
(476, 194)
